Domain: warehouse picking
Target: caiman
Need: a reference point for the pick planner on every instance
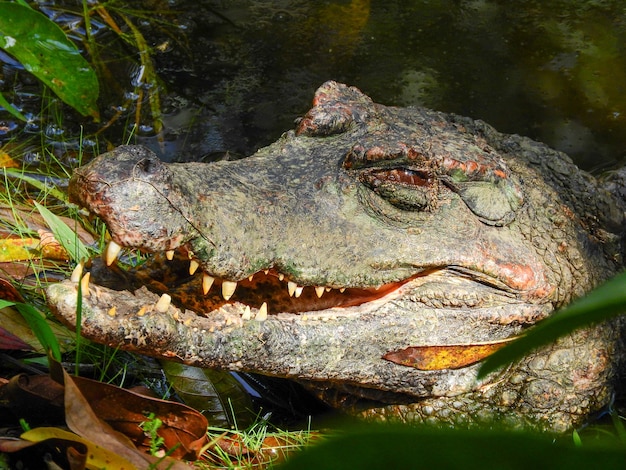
(364, 235)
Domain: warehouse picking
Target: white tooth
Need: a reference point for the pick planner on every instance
(291, 287)
(247, 313)
(228, 289)
(84, 284)
(77, 273)
(320, 291)
(342, 290)
(207, 282)
(251, 277)
(328, 289)
(193, 266)
(112, 250)
(164, 303)
(266, 271)
(169, 254)
(299, 291)
(281, 276)
(261, 315)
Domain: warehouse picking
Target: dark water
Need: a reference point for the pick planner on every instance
(237, 73)
(555, 70)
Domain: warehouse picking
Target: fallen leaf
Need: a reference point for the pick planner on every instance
(218, 394)
(96, 457)
(110, 416)
(449, 356)
(35, 398)
(30, 326)
(19, 249)
(82, 420)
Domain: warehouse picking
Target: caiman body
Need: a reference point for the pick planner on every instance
(369, 229)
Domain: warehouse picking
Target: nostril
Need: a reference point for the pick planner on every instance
(148, 165)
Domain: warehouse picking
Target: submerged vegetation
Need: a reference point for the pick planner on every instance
(80, 54)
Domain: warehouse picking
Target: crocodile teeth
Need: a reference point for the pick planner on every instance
(281, 276)
(111, 252)
(207, 282)
(84, 284)
(299, 290)
(342, 290)
(193, 266)
(228, 289)
(262, 313)
(291, 287)
(169, 254)
(164, 303)
(320, 291)
(250, 277)
(77, 273)
(247, 313)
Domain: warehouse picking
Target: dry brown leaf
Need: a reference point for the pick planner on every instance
(449, 356)
(35, 398)
(82, 420)
(123, 411)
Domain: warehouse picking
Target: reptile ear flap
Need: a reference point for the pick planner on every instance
(494, 202)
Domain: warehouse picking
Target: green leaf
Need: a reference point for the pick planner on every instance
(215, 393)
(377, 446)
(64, 235)
(41, 328)
(44, 50)
(603, 303)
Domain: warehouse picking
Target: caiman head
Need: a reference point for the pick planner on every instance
(367, 230)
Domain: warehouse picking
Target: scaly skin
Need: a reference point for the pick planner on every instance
(440, 229)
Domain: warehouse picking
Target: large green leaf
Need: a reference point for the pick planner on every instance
(44, 50)
(376, 446)
(605, 302)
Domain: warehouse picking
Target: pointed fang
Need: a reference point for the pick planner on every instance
(320, 291)
(207, 282)
(77, 273)
(247, 313)
(111, 252)
(299, 290)
(193, 266)
(84, 284)
(291, 287)
(164, 303)
(169, 254)
(262, 313)
(228, 289)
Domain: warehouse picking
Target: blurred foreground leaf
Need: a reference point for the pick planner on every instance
(380, 446)
(44, 50)
(603, 303)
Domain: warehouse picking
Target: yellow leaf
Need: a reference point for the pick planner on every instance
(97, 457)
(447, 356)
(19, 249)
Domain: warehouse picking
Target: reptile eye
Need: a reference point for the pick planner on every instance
(404, 188)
